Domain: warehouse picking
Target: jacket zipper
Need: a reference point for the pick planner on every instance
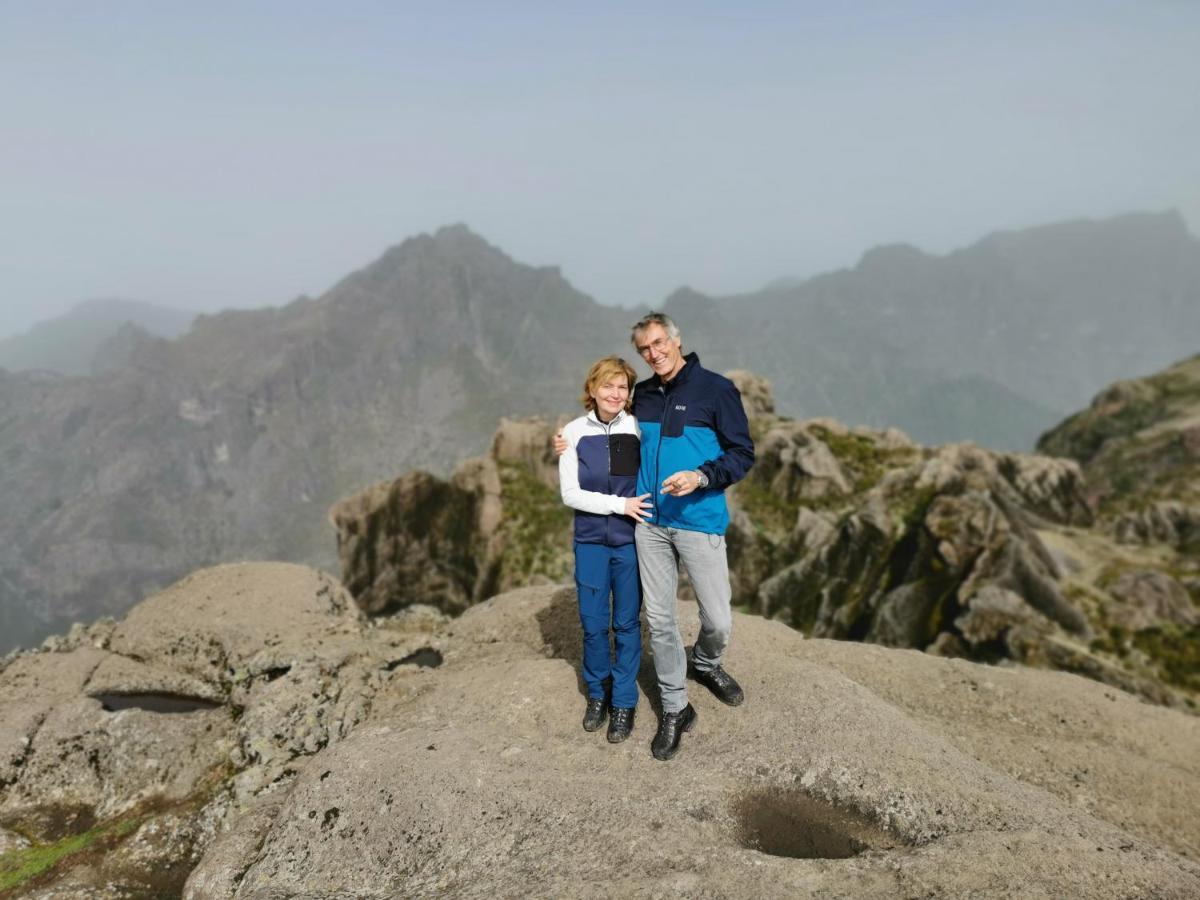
(658, 452)
(608, 453)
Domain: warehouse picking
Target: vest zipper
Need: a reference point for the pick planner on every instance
(608, 454)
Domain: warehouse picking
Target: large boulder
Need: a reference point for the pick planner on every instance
(758, 397)
(1163, 521)
(496, 523)
(1150, 598)
(417, 539)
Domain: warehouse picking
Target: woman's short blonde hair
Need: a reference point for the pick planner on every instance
(602, 371)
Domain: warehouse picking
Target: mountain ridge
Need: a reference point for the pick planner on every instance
(229, 441)
(1049, 313)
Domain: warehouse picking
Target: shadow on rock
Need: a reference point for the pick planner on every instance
(563, 635)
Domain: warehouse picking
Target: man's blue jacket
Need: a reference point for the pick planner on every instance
(694, 421)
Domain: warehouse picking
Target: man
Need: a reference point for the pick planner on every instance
(695, 443)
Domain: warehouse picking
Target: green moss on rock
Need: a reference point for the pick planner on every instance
(862, 459)
(18, 867)
(1176, 650)
(536, 529)
(771, 514)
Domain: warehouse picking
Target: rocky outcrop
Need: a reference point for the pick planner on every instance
(135, 740)
(912, 551)
(1151, 598)
(415, 539)
(496, 523)
(1160, 522)
(1139, 444)
(758, 398)
(1139, 447)
(955, 550)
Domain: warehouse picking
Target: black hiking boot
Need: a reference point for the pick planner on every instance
(722, 685)
(595, 714)
(670, 730)
(620, 723)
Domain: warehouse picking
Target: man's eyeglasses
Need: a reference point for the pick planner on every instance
(657, 346)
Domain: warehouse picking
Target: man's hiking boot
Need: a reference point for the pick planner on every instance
(670, 729)
(722, 685)
(595, 714)
(620, 723)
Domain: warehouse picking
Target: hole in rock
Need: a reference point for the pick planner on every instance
(426, 657)
(276, 672)
(154, 702)
(329, 820)
(795, 825)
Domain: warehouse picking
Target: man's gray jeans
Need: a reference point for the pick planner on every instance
(659, 551)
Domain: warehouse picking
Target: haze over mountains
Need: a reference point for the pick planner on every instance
(91, 336)
(232, 441)
(993, 343)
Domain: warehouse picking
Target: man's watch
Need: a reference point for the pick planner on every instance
(703, 480)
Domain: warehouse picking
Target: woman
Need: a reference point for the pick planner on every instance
(598, 474)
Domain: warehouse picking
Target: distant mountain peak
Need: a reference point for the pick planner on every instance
(783, 283)
(1167, 227)
(457, 241)
(457, 231)
(888, 257)
(686, 296)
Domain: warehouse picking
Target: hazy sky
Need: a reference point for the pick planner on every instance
(205, 155)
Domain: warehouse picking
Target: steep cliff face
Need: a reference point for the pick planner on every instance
(249, 734)
(853, 534)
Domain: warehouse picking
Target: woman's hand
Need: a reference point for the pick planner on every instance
(560, 444)
(638, 508)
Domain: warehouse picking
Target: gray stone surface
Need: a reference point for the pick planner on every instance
(1148, 598)
(205, 698)
(336, 766)
(984, 782)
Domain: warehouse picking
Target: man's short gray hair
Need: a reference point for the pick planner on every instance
(655, 318)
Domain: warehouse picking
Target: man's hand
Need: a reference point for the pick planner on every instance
(560, 443)
(681, 483)
(638, 508)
